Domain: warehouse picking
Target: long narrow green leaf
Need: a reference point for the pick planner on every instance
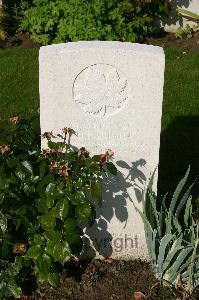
(168, 220)
(162, 217)
(176, 224)
(184, 200)
(172, 272)
(147, 225)
(175, 248)
(153, 247)
(162, 251)
(177, 192)
(188, 13)
(149, 205)
(148, 234)
(188, 212)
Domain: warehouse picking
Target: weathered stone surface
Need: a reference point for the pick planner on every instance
(111, 94)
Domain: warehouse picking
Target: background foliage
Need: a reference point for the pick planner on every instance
(14, 13)
(73, 20)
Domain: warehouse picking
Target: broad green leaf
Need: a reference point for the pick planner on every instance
(48, 221)
(5, 247)
(41, 205)
(52, 145)
(78, 184)
(54, 279)
(19, 260)
(62, 208)
(27, 165)
(22, 210)
(95, 189)
(60, 251)
(112, 168)
(77, 198)
(48, 202)
(44, 182)
(96, 158)
(28, 188)
(74, 240)
(70, 225)
(83, 211)
(42, 169)
(13, 162)
(43, 266)
(50, 189)
(38, 239)
(3, 224)
(34, 252)
(53, 235)
(15, 289)
(17, 222)
(20, 173)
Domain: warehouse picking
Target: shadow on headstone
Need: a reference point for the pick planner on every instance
(179, 148)
(114, 205)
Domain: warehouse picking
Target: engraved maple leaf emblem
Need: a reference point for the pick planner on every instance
(100, 89)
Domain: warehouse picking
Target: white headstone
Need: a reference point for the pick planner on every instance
(110, 94)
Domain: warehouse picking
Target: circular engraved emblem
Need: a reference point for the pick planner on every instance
(100, 90)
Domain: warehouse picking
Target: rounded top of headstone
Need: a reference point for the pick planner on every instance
(112, 45)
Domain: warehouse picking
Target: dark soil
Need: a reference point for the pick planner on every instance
(105, 280)
(167, 40)
(19, 40)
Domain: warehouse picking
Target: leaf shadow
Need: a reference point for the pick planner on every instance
(114, 206)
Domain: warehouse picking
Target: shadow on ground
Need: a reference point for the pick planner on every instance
(179, 148)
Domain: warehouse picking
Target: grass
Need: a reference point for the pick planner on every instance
(180, 119)
(19, 89)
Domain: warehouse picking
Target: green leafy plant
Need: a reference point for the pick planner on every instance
(188, 31)
(61, 21)
(8, 284)
(45, 200)
(14, 13)
(172, 238)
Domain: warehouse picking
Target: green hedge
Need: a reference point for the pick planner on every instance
(60, 20)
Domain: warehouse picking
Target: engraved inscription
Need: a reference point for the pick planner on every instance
(100, 90)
